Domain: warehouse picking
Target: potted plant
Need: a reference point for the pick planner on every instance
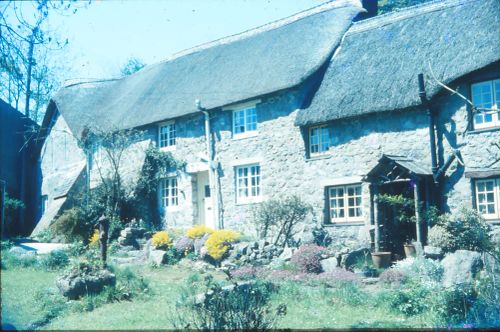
(381, 259)
(409, 249)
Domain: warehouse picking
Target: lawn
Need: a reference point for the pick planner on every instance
(319, 307)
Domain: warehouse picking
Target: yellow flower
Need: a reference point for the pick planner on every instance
(161, 239)
(198, 231)
(94, 239)
(217, 243)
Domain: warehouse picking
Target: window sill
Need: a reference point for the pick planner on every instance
(344, 223)
(483, 130)
(255, 200)
(319, 156)
(247, 134)
(168, 148)
(170, 209)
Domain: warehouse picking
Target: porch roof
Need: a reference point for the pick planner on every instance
(393, 167)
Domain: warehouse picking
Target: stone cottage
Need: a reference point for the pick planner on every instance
(327, 104)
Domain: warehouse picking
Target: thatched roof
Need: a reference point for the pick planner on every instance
(377, 64)
(271, 58)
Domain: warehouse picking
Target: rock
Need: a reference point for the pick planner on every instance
(74, 286)
(433, 252)
(369, 281)
(242, 247)
(351, 258)
(287, 253)
(460, 267)
(262, 244)
(270, 248)
(158, 257)
(255, 245)
(147, 248)
(305, 236)
(203, 252)
(329, 264)
(199, 243)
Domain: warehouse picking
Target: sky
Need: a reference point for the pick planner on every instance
(103, 36)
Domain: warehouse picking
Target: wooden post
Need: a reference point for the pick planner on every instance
(376, 233)
(416, 191)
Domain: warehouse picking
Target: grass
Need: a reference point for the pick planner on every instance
(19, 289)
(319, 307)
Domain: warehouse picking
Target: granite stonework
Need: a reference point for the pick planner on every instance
(279, 148)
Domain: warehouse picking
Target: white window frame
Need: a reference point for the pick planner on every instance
(320, 141)
(496, 197)
(44, 204)
(169, 200)
(345, 198)
(169, 145)
(495, 102)
(254, 192)
(246, 131)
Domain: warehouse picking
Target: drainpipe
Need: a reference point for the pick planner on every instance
(432, 135)
(212, 168)
(3, 189)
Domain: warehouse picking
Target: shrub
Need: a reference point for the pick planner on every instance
(94, 239)
(420, 268)
(55, 260)
(466, 230)
(393, 277)
(243, 307)
(184, 245)
(307, 258)
(247, 272)
(277, 219)
(485, 312)
(12, 208)
(14, 260)
(198, 231)
(45, 235)
(218, 242)
(161, 239)
(73, 225)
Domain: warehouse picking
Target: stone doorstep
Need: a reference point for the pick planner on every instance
(42, 248)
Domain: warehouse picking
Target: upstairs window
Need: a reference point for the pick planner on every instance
(248, 184)
(486, 95)
(169, 192)
(245, 121)
(488, 198)
(167, 135)
(319, 141)
(345, 203)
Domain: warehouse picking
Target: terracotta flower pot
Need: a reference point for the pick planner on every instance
(410, 250)
(381, 259)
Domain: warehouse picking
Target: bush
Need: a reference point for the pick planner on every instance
(277, 219)
(55, 260)
(12, 208)
(307, 258)
(161, 240)
(94, 239)
(485, 312)
(14, 260)
(184, 245)
(198, 231)
(242, 307)
(218, 242)
(247, 272)
(419, 268)
(467, 231)
(45, 235)
(73, 225)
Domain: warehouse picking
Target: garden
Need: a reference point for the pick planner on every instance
(201, 278)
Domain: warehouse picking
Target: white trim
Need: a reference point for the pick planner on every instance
(494, 115)
(158, 142)
(246, 134)
(246, 161)
(239, 106)
(197, 167)
(250, 198)
(342, 181)
(346, 206)
(496, 198)
(319, 153)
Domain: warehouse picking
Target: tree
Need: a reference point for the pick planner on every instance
(27, 76)
(133, 65)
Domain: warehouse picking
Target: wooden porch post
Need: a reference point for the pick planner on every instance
(376, 233)
(416, 191)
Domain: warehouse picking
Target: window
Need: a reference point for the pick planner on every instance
(168, 192)
(248, 184)
(166, 135)
(245, 121)
(318, 140)
(486, 95)
(44, 204)
(345, 203)
(488, 198)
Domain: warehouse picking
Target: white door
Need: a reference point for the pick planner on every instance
(205, 206)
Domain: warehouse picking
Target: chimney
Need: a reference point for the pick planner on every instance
(371, 7)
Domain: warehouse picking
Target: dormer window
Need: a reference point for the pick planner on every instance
(319, 140)
(245, 122)
(486, 97)
(166, 136)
